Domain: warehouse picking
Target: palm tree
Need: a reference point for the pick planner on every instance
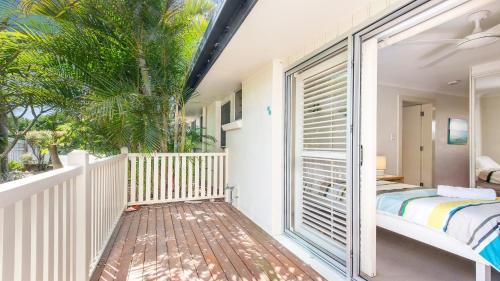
(30, 81)
(132, 57)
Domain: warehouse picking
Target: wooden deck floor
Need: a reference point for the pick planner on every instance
(206, 241)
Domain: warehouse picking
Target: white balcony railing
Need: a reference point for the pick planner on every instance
(171, 177)
(55, 225)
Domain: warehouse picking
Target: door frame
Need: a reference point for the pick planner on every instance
(336, 47)
(396, 20)
(421, 101)
(477, 72)
(415, 17)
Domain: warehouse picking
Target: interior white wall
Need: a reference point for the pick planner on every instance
(490, 127)
(451, 162)
(256, 149)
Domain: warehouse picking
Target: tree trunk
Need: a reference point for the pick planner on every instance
(4, 143)
(176, 128)
(164, 126)
(54, 157)
(183, 129)
(143, 68)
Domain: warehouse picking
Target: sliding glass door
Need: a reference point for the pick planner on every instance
(318, 136)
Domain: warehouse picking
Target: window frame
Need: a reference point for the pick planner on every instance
(231, 117)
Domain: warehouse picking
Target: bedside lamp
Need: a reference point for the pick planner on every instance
(381, 165)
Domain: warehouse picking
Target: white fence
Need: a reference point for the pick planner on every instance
(20, 148)
(108, 177)
(54, 226)
(171, 177)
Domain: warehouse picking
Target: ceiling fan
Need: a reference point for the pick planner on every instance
(478, 38)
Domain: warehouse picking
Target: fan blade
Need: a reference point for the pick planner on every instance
(439, 56)
(431, 41)
(494, 30)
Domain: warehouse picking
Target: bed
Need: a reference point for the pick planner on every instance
(468, 228)
(488, 173)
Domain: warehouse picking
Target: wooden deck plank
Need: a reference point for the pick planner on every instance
(194, 247)
(136, 269)
(162, 265)
(174, 260)
(207, 241)
(150, 253)
(210, 258)
(271, 244)
(222, 258)
(111, 263)
(259, 254)
(188, 265)
(128, 247)
(245, 249)
(231, 254)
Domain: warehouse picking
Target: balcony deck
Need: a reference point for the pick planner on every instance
(196, 241)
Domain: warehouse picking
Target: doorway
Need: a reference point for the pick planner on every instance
(398, 27)
(417, 143)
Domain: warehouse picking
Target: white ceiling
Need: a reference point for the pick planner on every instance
(274, 29)
(399, 64)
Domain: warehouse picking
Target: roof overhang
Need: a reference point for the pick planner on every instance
(273, 29)
(221, 29)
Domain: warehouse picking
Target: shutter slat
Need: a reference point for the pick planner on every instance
(343, 114)
(322, 141)
(322, 74)
(334, 85)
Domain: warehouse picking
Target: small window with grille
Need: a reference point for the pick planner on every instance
(225, 118)
(238, 106)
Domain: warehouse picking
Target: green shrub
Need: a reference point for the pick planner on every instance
(15, 166)
(27, 158)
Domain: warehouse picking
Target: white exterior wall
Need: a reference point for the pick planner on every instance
(212, 123)
(372, 10)
(256, 149)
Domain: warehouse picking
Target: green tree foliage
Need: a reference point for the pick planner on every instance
(31, 81)
(116, 68)
(39, 142)
(132, 57)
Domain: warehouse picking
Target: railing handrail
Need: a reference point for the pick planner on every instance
(13, 191)
(178, 154)
(75, 209)
(106, 160)
(172, 177)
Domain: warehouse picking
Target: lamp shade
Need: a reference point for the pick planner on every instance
(381, 163)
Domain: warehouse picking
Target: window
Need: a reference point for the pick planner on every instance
(317, 154)
(225, 118)
(201, 125)
(238, 108)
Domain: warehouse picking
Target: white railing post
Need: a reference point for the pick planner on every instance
(124, 150)
(226, 176)
(82, 215)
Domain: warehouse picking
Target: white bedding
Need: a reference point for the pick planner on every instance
(490, 176)
(389, 185)
(487, 169)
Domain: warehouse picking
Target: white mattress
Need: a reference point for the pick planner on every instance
(389, 185)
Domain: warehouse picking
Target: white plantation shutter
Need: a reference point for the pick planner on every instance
(320, 154)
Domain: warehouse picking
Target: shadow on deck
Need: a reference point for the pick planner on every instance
(196, 241)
